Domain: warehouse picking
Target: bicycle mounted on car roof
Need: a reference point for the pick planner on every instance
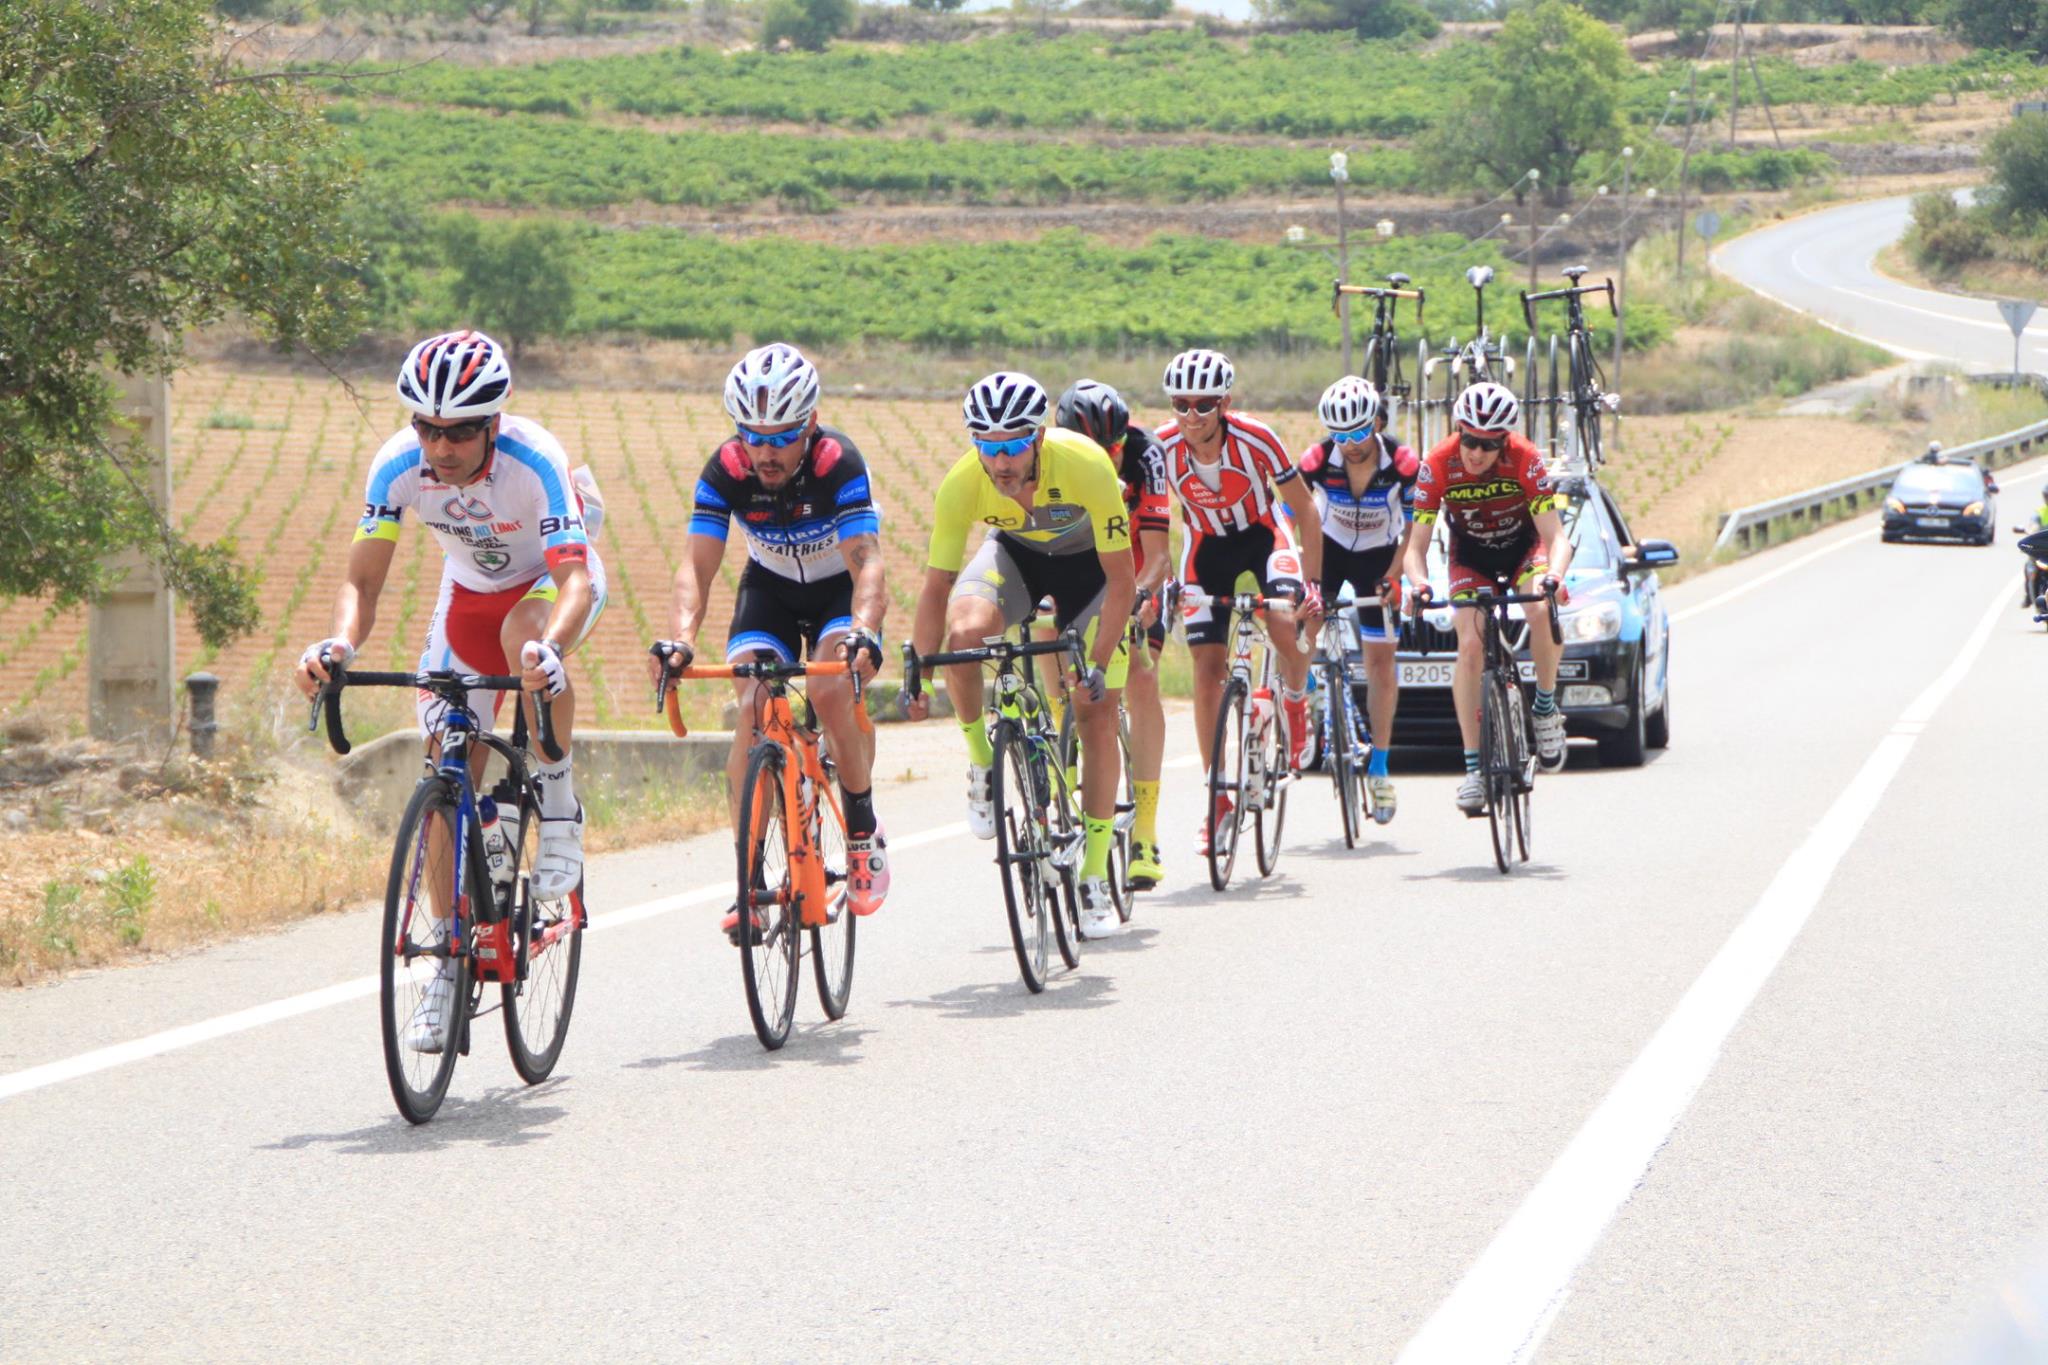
(1587, 393)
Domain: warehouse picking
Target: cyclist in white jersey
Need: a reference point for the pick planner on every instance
(520, 580)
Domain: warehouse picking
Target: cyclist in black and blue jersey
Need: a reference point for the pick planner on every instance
(1363, 481)
(813, 579)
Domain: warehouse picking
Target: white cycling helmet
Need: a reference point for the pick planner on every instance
(456, 374)
(1199, 374)
(1349, 404)
(772, 386)
(1487, 406)
(1006, 401)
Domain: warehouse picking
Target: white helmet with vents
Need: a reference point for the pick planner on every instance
(1487, 407)
(771, 386)
(456, 374)
(1350, 404)
(1006, 401)
(1199, 374)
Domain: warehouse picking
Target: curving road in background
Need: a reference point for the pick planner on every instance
(1823, 264)
(1745, 1066)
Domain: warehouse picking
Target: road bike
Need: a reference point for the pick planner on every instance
(1038, 835)
(1121, 893)
(474, 916)
(790, 843)
(1347, 737)
(1459, 365)
(1507, 760)
(1249, 769)
(1587, 392)
(1381, 363)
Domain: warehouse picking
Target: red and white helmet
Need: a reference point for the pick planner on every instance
(456, 374)
(1199, 374)
(772, 386)
(1487, 406)
(1005, 401)
(1349, 404)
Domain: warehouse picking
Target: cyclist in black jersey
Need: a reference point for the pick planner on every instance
(1099, 412)
(813, 580)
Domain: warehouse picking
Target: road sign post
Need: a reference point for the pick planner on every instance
(2016, 312)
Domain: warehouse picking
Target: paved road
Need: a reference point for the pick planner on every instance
(1745, 1066)
(1821, 264)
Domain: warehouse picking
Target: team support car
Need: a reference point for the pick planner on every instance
(1942, 500)
(1614, 683)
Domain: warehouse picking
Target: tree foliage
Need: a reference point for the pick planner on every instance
(808, 25)
(1550, 95)
(146, 187)
(1366, 18)
(514, 280)
(2018, 24)
(2017, 157)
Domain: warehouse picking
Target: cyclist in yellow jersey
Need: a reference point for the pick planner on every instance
(1052, 508)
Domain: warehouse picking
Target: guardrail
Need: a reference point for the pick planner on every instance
(1756, 526)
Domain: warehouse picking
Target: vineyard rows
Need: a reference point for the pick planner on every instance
(288, 485)
(1157, 82)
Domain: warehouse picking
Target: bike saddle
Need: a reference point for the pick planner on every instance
(1479, 276)
(1575, 273)
(1397, 280)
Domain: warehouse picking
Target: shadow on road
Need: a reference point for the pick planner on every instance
(509, 1116)
(820, 1045)
(1009, 999)
(1277, 887)
(1487, 872)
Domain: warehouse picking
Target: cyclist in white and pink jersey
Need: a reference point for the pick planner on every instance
(520, 579)
(1229, 473)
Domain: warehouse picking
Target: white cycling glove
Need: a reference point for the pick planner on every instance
(337, 650)
(542, 655)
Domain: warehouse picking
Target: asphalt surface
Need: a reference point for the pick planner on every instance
(1744, 1066)
(1821, 264)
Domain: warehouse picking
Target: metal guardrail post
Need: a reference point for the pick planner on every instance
(203, 690)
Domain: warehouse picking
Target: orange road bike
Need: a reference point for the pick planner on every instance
(791, 846)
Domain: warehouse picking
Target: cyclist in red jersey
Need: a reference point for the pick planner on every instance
(1492, 490)
(1225, 470)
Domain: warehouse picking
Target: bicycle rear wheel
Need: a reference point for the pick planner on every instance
(1271, 811)
(1064, 820)
(1121, 891)
(416, 946)
(548, 936)
(832, 942)
(1228, 764)
(1022, 854)
(769, 916)
(1518, 737)
(1340, 753)
(1496, 762)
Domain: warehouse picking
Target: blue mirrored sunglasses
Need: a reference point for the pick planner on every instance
(1351, 438)
(999, 450)
(777, 439)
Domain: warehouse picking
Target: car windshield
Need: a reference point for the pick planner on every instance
(1589, 547)
(1926, 481)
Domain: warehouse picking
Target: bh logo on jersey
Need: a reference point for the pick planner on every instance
(462, 507)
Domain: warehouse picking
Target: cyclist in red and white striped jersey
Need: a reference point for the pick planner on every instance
(1228, 473)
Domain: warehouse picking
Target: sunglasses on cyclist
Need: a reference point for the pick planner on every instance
(1481, 442)
(1200, 407)
(1004, 450)
(1352, 438)
(773, 439)
(455, 432)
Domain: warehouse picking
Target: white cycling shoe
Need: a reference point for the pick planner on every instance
(1472, 795)
(558, 870)
(1549, 740)
(981, 805)
(1098, 911)
(427, 1031)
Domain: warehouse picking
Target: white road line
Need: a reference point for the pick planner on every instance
(191, 1035)
(1505, 1302)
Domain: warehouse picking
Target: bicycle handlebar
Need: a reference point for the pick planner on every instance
(447, 683)
(667, 701)
(1487, 600)
(1374, 291)
(914, 664)
(1575, 291)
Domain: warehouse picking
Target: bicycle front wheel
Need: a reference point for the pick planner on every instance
(1271, 811)
(770, 922)
(1229, 764)
(548, 937)
(1023, 854)
(1122, 893)
(423, 1034)
(1496, 763)
(832, 942)
(1062, 806)
(1340, 755)
(1524, 784)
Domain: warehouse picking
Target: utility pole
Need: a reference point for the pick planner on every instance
(1735, 76)
(1685, 164)
(131, 632)
(1340, 172)
(1628, 164)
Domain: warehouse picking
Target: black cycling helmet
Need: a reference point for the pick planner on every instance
(1096, 411)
